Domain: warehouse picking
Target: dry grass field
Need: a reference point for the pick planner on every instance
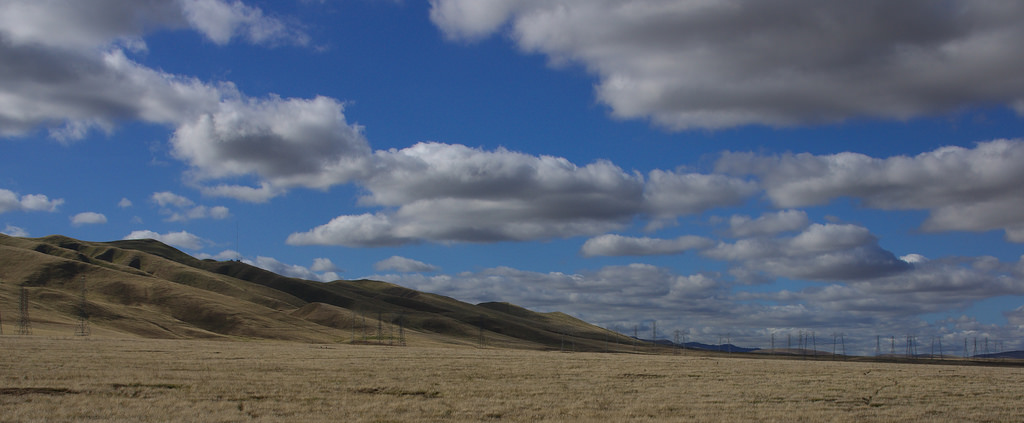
(49, 379)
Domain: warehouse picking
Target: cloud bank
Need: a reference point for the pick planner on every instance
(963, 189)
(704, 64)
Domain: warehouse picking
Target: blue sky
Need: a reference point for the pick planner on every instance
(738, 168)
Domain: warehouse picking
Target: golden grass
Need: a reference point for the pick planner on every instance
(95, 379)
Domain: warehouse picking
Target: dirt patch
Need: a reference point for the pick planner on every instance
(17, 392)
(398, 392)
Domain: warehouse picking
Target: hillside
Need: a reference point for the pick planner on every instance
(144, 288)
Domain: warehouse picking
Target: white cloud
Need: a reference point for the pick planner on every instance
(822, 252)
(964, 189)
(167, 198)
(88, 218)
(1016, 317)
(221, 21)
(618, 245)
(72, 92)
(931, 286)
(321, 264)
(454, 193)
(124, 203)
(243, 193)
(180, 239)
(607, 288)
(290, 270)
(404, 265)
(76, 25)
(671, 193)
(221, 256)
(768, 224)
(705, 64)
(914, 258)
(199, 212)
(284, 142)
(11, 201)
(63, 64)
(181, 209)
(11, 230)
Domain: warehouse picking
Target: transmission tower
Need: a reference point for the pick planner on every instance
(83, 316)
(835, 336)
(401, 331)
(353, 325)
(1, 315)
(24, 324)
(380, 329)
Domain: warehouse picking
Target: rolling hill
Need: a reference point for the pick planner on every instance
(144, 288)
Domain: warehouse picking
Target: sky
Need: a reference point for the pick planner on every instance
(731, 170)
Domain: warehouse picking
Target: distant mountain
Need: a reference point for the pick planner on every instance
(146, 288)
(1004, 354)
(705, 347)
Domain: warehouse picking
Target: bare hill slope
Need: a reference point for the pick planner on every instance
(146, 288)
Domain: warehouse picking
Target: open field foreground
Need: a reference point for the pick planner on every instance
(95, 379)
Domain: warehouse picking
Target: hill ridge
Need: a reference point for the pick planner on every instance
(149, 289)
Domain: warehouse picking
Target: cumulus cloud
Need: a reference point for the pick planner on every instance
(608, 287)
(930, 287)
(618, 245)
(243, 193)
(73, 92)
(221, 21)
(88, 218)
(689, 64)
(1015, 317)
(284, 142)
(767, 224)
(322, 264)
(221, 256)
(180, 239)
(180, 209)
(914, 258)
(124, 203)
(167, 198)
(823, 252)
(404, 265)
(11, 230)
(73, 24)
(672, 193)
(11, 201)
(291, 270)
(964, 189)
(453, 193)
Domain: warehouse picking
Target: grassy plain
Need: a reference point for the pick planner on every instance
(95, 379)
